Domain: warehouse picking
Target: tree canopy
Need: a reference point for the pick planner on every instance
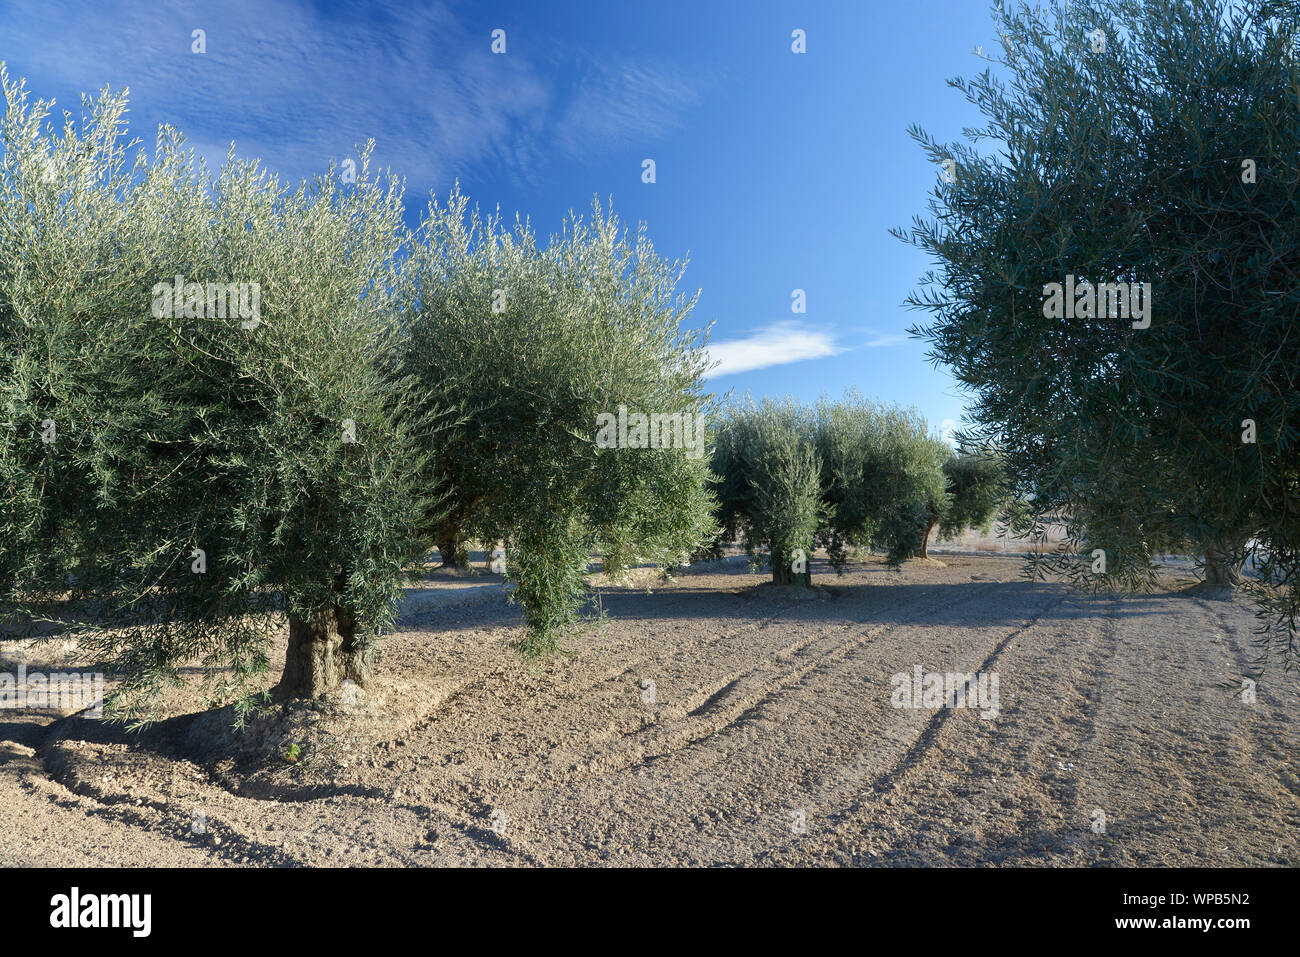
(203, 428)
(537, 348)
(1116, 283)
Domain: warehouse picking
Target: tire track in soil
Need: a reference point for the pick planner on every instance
(1151, 741)
(687, 767)
(894, 784)
(694, 703)
(949, 773)
(1079, 706)
(460, 799)
(1245, 753)
(724, 703)
(1268, 698)
(742, 705)
(925, 743)
(632, 656)
(1175, 749)
(459, 809)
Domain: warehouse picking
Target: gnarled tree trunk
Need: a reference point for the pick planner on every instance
(1223, 560)
(323, 651)
(784, 574)
(926, 530)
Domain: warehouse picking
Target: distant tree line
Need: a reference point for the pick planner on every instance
(843, 475)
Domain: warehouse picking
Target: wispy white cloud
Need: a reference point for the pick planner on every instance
(777, 344)
(618, 106)
(879, 339)
(298, 85)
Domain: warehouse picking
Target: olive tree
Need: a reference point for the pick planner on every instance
(768, 488)
(579, 418)
(976, 493)
(842, 474)
(1115, 282)
(882, 477)
(204, 432)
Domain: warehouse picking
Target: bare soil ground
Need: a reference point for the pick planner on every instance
(771, 739)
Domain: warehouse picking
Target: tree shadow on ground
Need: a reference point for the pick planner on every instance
(944, 603)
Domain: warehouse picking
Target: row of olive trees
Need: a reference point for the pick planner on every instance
(843, 475)
(226, 404)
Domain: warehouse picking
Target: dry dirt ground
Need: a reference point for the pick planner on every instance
(772, 738)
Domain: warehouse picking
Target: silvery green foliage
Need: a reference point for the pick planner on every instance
(843, 474)
(882, 476)
(530, 343)
(976, 486)
(185, 433)
(768, 481)
(1131, 164)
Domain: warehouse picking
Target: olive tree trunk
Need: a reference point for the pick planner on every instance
(784, 574)
(927, 529)
(453, 551)
(322, 652)
(1223, 560)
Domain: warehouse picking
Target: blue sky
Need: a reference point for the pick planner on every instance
(775, 171)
